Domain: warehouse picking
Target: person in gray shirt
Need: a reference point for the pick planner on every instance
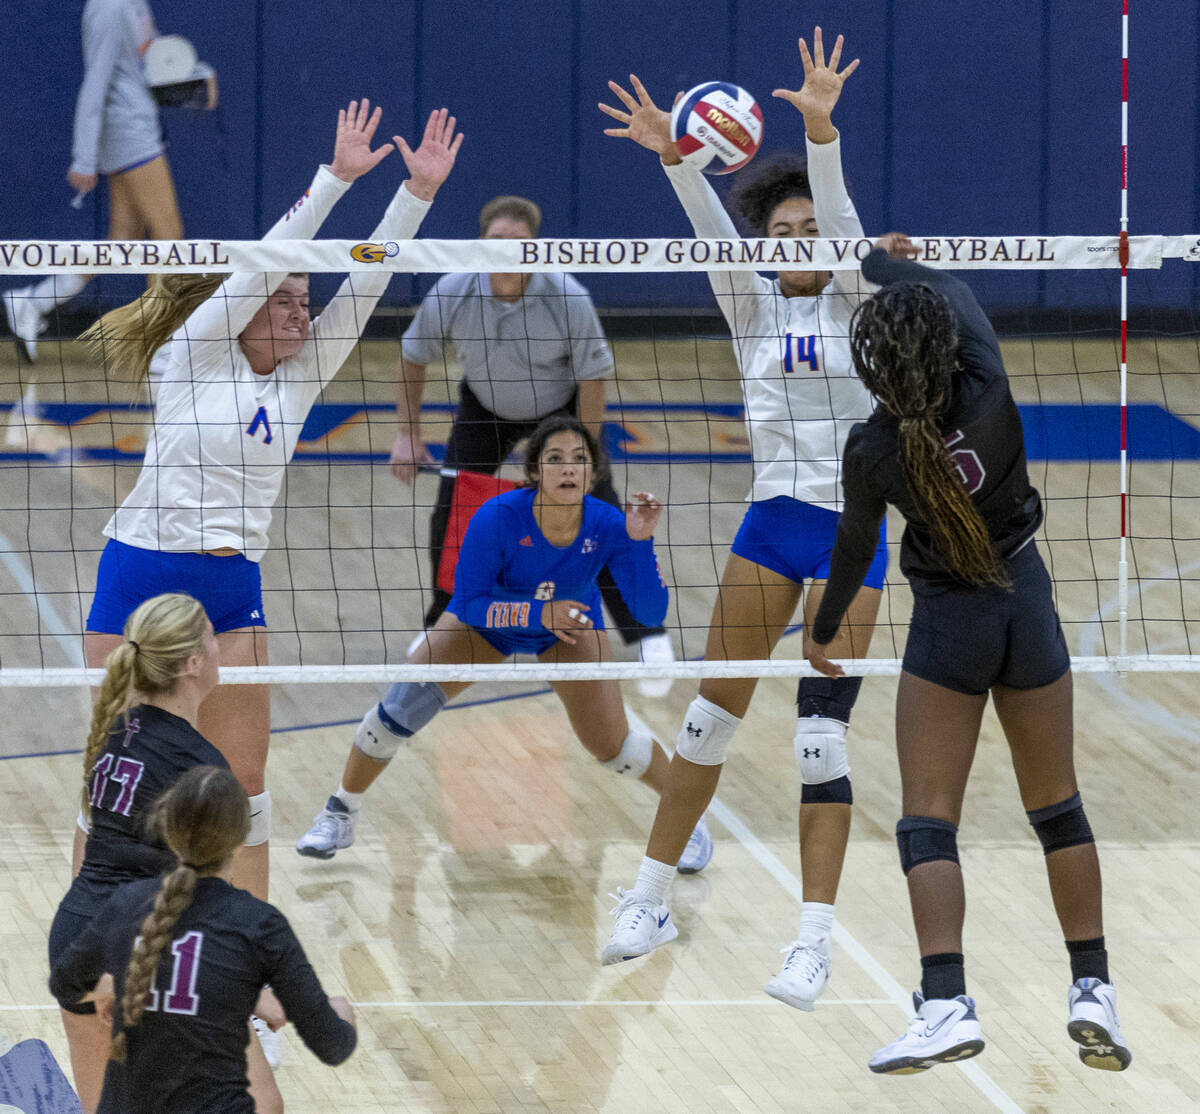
(530, 345)
(117, 135)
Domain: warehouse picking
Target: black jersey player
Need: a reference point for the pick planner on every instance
(189, 955)
(945, 447)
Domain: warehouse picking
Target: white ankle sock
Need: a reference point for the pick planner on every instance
(652, 880)
(350, 800)
(816, 922)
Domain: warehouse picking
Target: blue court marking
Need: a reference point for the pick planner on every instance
(1053, 431)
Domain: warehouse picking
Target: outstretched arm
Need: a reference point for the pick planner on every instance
(337, 330)
(815, 99)
(238, 298)
(650, 127)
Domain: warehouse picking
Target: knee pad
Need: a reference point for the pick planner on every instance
(634, 756)
(706, 732)
(405, 708)
(922, 839)
(829, 697)
(260, 819)
(820, 746)
(1062, 825)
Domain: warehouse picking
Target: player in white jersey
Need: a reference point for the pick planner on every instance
(246, 365)
(117, 135)
(791, 339)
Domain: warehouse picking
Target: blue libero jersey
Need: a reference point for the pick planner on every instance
(507, 570)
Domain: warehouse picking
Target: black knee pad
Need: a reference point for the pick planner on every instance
(1062, 825)
(835, 792)
(830, 697)
(922, 839)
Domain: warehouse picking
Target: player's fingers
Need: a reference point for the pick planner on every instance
(849, 69)
(678, 98)
(836, 56)
(372, 123)
(364, 113)
(624, 97)
(640, 90)
(404, 149)
(458, 140)
(448, 130)
(818, 48)
(615, 113)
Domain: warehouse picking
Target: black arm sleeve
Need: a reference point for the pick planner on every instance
(854, 549)
(976, 337)
(295, 984)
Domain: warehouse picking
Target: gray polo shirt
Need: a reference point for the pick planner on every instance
(521, 359)
(116, 119)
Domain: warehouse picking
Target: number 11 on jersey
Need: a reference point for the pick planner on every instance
(800, 350)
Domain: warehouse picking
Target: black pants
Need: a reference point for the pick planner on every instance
(480, 441)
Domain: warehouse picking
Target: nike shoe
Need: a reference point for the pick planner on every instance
(804, 974)
(332, 831)
(944, 1030)
(656, 649)
(698, 851)
(1093, 1025)
(641, 926)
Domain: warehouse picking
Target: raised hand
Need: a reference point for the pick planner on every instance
(430, 164)
(641, 517)
(898, 245)
(822, 83)
(352, 154)
(645, 123)
(815, 653)
(566, 618)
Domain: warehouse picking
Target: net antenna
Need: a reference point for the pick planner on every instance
(1123, 560)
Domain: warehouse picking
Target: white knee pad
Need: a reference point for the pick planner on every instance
(706, 732)
(260, 819)
(374, 739)
(634, 757)
(820, 746)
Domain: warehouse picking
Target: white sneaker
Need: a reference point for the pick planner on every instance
(656, 649)
(332, 831)
(24, 414)
(24, 321)
(804, 974)
(641, 927)
(1093, 1025)
(698, 851)
(944, 1030)
(272, 1045)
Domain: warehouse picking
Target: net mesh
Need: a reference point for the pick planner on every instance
(347, 576)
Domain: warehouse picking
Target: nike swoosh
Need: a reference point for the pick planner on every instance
(931, 1029)
(254, 814)
(663, 920)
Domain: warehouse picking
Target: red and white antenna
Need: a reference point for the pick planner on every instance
(1123, 561)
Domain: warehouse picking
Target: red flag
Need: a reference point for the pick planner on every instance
(471, 491)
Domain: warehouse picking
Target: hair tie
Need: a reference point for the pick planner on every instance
(136, 648)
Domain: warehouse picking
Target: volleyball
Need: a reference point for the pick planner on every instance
(717, 127)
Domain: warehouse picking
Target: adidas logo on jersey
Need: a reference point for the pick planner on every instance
(255, 614)
(526, 540)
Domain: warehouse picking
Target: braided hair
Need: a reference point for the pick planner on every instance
(903, 343)
(159, 638)
(204, 817)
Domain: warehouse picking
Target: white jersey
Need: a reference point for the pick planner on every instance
(223, 435)
(798, 383)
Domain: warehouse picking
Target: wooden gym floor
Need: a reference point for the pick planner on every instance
(466, 923)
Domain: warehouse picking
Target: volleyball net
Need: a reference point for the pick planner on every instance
(1112, 436)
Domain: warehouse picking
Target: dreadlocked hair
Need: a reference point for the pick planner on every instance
(125, 338)
(903, 343)
(159, 638)
(203, 817)
(766, 186)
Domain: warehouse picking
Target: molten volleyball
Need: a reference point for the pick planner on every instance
(717, 127)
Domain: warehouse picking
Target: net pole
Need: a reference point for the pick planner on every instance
(1123, 559)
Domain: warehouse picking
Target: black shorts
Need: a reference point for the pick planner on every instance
(970, 639)
(67, 927)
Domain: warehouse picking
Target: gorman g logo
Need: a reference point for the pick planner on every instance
(374, 253)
